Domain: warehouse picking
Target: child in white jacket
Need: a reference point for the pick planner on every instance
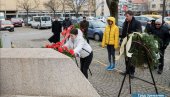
(81, 49)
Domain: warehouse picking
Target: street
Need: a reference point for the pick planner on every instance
(107, 83)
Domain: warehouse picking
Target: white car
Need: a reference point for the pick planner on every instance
(41, 22)
(2, 16)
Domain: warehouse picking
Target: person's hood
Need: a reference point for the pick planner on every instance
(111, 19)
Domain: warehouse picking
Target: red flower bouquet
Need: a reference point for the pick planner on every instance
(62, 49)
(59, 45)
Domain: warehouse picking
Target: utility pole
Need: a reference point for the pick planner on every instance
(163, 12)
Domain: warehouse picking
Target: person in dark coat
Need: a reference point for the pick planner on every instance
(130, 25)
(163, 35)
(56, 29)
(84, 28)
(67, 22)
(150, 26)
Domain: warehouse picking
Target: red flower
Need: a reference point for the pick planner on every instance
(60, 49)
(58, 43)
(64, 32)
(56, 46)
(53, 45)
(47, 46)
(65, 48)
(71, 52)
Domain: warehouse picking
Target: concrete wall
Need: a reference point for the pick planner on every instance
(41, 72)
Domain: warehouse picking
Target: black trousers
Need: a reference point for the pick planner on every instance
(111, 53)
(85, 35)
(161, 60)
(130, 68)
(55, 37)
(85, 63)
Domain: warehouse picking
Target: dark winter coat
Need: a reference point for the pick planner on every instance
(149, 28)
(164, 36)
(56, 29)
(135, 26)
(66, 23)
(84, 27)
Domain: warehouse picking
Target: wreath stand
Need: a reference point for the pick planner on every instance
(148, 53)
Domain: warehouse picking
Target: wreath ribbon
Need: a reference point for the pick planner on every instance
(128, 44)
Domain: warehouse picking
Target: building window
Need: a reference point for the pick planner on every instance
(161, 5)
(153, 5)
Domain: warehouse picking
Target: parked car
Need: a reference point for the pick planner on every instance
(90, 18)
(21, 19)
(96, 29)
(121, 18)
(41, 22)
(29, 21)
(143, 19)
(120, 25)
(16, 22)
(152, 16)
(101, 18)
(167, 19)
(2, 16)
(6, 25)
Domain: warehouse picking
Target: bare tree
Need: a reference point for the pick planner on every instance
(28, 5)
(76, 5)
(96, 6)
(113, 7)
(63, 3)
(53, 5)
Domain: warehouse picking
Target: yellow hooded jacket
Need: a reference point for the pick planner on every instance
(111, 34)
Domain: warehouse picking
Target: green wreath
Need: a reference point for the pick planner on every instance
(145, 50)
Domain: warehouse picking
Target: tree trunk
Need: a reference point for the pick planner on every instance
(63, 10)
(54, 13)
(76, 13)
(113, 7)
(27, 18)
(163, 11)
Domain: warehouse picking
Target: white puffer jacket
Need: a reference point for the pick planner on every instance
(80, 46)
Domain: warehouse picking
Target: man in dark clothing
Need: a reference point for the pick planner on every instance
(56, 29)
(66, 22)
(84, 28)
(150, 26)
(163, 35)
(130, 25)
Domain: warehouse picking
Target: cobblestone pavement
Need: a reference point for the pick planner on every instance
(107, 83)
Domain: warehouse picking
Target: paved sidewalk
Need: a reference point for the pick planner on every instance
(108, 83)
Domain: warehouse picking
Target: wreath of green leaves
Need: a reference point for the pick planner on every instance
(145, 50)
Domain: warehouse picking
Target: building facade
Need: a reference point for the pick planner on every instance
(102, 8)
(11, 9)
(140, 6)
(124, 5)
(157, 6)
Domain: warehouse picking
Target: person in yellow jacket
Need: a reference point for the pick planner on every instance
(111, 40)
